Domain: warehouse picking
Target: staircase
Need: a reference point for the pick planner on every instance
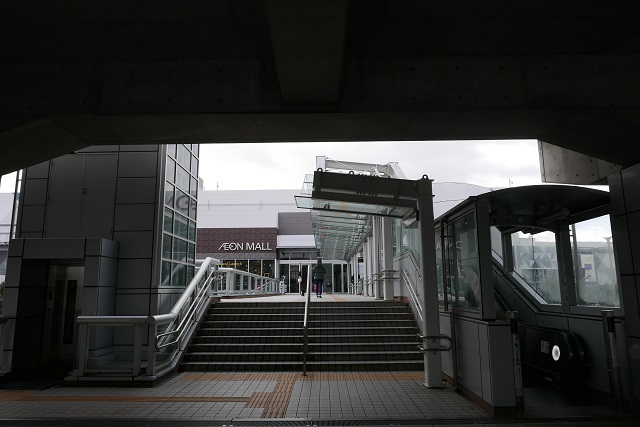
(343, 336)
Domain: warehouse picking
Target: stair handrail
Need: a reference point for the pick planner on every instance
(305, 326)
(181, 320)
(184, 315)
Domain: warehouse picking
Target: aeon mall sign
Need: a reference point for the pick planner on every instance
(247, 246)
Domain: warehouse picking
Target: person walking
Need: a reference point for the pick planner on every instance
(319, 272)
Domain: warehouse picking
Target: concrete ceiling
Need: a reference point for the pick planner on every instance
(78, 73)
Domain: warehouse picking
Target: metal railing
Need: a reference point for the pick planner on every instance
(305, 327)
(229, 281)
(412, 286)
(116, 345)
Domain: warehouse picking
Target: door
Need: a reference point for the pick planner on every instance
(64, 294)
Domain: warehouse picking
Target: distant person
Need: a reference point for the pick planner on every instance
(302, 282)
(318, 277)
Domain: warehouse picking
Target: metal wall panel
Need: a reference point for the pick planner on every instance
(137, 164)
(32, 220)
(35, 192)
(469, 356)
(134, 218)
(135, 244)
(136, 190)
(98, 195)
(64, 198)
(134, 274)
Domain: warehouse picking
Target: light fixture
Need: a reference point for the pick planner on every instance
(555, 353)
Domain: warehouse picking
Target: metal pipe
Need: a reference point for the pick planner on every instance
(305, 325)
(517, 367)
(613, 361)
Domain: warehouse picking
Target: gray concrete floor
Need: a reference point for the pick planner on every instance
(282, 398)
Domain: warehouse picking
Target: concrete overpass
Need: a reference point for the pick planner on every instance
(79, 73)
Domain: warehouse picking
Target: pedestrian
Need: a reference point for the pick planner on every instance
(318, 277)
(303, 281)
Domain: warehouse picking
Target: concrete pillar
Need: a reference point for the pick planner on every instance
(377, 284)
(365, 258)
(388, 258)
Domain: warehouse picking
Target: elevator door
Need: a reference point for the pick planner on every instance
(64, 294)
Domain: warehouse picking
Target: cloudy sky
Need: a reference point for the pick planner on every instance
(284, 165)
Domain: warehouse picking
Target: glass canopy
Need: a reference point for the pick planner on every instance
(342, 215)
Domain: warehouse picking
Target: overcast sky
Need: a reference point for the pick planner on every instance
(283, 165)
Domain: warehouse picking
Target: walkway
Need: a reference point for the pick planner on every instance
(284, 398)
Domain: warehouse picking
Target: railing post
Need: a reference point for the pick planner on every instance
(137, 350)
(152, 330)
(613, 360)
(82, 349)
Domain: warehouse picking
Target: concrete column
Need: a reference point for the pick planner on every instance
(388, 258)
(432, 360)
(365, 259)
(377, 285)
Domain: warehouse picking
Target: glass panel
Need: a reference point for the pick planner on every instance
(182, 179)
(438, 233)
(496, 242)
(267, 267)
(254, 266)
(594, 263)
(182, 202)
(166, 246)
(236, 282)
(193, 208)
(192, 231)
(181, 226)
(165, 276)
(178, 275)
(196, 149)
(171, 170)
(191, 256)
(337, 278)
(179, 249)
(462, 262)
(242, 265)
(168, 220)
(171, 149)
(184, 156)
(194, 166)
(168, 194)
(536, 261)
(193, 190)
(190, 273)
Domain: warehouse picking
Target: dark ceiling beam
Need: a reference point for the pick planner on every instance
(308, 44)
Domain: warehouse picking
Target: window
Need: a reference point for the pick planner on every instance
(594, 263)
(179, 227)
(461, 261)
(535, 259)
(496, 242)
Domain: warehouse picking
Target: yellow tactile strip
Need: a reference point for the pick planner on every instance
(275, 402)
(28, 395)
(13, 395)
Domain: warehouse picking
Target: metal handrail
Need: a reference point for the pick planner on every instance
(181, 319)
(305, 326)
(413, 294)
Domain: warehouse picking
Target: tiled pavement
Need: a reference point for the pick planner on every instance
(282, 398)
